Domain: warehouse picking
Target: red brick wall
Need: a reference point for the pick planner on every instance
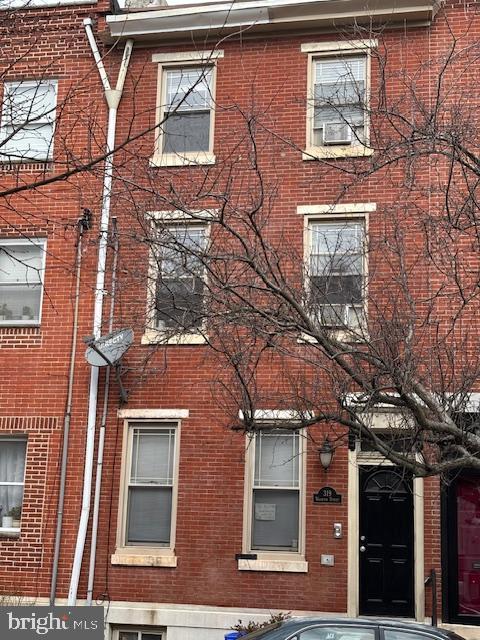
(267, 75)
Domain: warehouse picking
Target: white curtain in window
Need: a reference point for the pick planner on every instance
(12, 470)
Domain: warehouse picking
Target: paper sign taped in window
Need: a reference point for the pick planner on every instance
(264, 511)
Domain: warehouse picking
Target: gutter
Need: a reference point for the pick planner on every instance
(261, 15)
(112, 97)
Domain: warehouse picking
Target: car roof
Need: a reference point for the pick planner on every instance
(293, 624)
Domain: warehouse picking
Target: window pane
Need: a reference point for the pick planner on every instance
(20, 303)
(188, 88)
(277, 459)
(180, 286)
(186, 132)
(10, 497)
(335, 239)
(152, 456)
(337, 633)
(29, 101)
(275, 519)
(128, 635)
(12, 460)
(32, 142)
(180, 303)
(29, 107)
(149, 515)
(20, 263)
(337, 289)
(151, 636)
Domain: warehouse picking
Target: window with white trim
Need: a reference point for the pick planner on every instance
(336, 272)
(28, 121)
(12, 479)
(150, 490)
(180, 277)
(276, 491)
(21, 275)
(134, 634)
(337, 101)
(186, 111)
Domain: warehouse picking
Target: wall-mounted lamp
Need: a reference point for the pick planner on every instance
(325, 453)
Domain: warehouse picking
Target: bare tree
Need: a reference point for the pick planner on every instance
(362, 326)
(355, 321)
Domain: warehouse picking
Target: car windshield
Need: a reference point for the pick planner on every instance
(260, 633)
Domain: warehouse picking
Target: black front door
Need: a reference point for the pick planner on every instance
(386, 542)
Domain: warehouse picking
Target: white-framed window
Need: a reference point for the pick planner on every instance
(146, 523)
(28, 121)
(338, 96)
(274, 500)
(179, 278)
(276, 491)
(138, 634)
(185, 108)
(22, 265)
(150, 485)
(12, 479)
(336, 272)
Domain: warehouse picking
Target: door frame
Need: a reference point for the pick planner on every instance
(357, 459)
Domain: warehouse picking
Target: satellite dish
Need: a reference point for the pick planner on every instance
(108, 349)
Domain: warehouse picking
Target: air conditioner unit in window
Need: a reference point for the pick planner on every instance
(337, 133)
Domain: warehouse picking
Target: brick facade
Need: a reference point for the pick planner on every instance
(265, 74)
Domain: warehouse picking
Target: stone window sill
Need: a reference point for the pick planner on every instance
(9, 532)
(144, 560)
(271, 564)
(347, 151)
(161, 337)
(176, 160)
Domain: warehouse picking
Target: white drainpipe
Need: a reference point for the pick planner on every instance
(112, 97)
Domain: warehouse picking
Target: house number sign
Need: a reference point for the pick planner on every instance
(327, 495)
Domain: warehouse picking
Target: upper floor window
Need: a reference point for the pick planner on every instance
(188, 102)
(185, 107)
(12, 478)
(179, 295)
(339, 90)
(21, 274)
(28, 121)
(336, 272)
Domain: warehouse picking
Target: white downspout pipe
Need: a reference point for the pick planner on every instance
(112, 97)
